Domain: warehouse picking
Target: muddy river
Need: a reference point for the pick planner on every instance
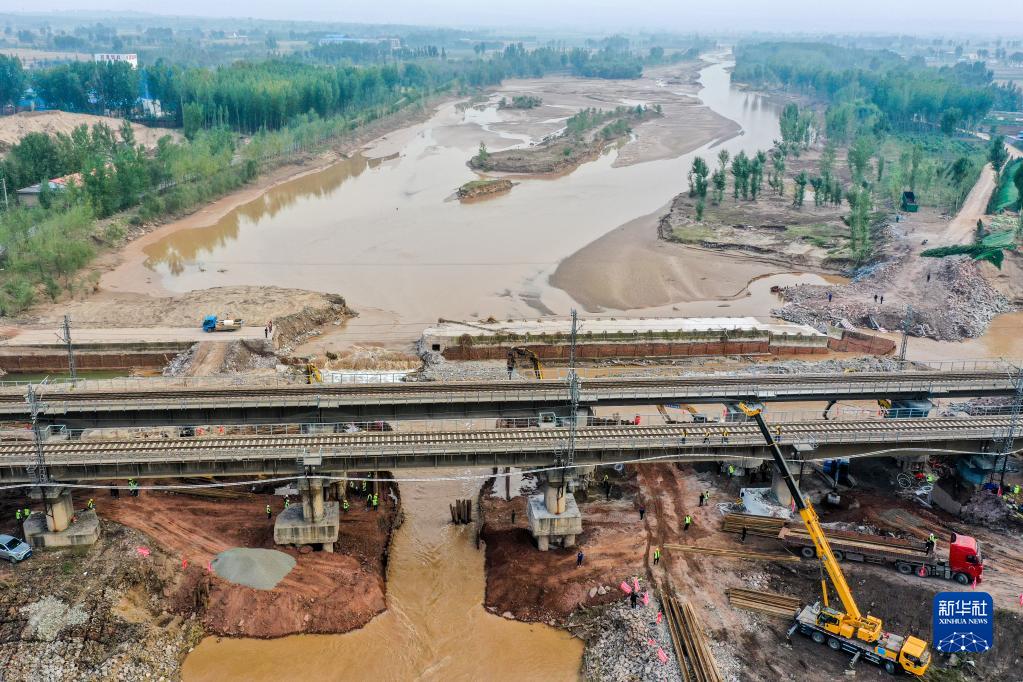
(435, 627)
(383, 230)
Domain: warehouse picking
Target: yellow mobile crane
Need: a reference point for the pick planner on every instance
(852, 631)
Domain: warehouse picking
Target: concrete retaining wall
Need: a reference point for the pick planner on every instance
(57, 362)
(858, 342)
(652, 349)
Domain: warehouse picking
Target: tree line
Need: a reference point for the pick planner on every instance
(906, 94)
(86, 87)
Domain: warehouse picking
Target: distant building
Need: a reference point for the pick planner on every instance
(112, 58)
(340, 38)
(29, 196)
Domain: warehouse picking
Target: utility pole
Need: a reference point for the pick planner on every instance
(906, 322)
(36, 471)
(66, 338)
(1014, 414)
(573, 390)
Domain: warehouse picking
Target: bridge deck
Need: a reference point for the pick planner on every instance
(238, 455)
(486, 395)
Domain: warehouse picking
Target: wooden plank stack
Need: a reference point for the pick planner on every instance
(763, 526)
(733, 553)
(780, 605)
(690, 641)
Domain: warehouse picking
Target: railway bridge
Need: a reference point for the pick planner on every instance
(46, 466)
(155, 402)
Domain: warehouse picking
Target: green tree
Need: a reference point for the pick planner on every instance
(720, 181)
(950, 120)
(861, 203)
(483, 156)
(800, 193)
(958, 173)
(1017, 180)
(741, 173)
(698, 178)
(192, 117)
(700, 207)
(12, 79)
(723, 159)
(778, 166)
(860, 153)
(997, 153)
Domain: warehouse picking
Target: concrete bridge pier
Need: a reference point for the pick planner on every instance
(314, 522)
(554, 516)
(60, 525)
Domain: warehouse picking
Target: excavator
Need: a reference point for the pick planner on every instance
(849, 630)
(518, 352)
(697, 417)
(312, 374)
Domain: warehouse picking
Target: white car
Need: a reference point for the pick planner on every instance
(13, 549)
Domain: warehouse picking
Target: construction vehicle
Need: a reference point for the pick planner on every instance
(962, 561)
(849, 630)
(516, 353)
(313, 374)
(212, 323)
(697, 417)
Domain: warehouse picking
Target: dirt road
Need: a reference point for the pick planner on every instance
(48, 337)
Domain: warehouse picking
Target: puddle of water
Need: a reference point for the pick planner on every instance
(435, 627)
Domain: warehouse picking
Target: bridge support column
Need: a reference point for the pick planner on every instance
(60, 525)
(780, 490)
(314, 522)
(554, 516)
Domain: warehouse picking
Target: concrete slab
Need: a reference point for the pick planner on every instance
(292, 528)
(549, 528)
(83, 530)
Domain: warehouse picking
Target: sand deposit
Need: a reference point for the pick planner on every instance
(13, 128)
(261, 569)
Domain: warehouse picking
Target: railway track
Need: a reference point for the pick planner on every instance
(730, 385)
(625, 437)
(690, 642)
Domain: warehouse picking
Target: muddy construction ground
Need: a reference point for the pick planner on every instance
(109, 610)
(747, 646)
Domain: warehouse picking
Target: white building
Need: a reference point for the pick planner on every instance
(111, 58)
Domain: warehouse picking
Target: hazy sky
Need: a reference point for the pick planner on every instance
(888, 16)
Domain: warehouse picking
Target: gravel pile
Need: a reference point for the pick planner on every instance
(622, 649)
(990, 510)
(466, 370)
(180, 363)
(261, 569)
(49, 616)
(964, 309)
(979, 406)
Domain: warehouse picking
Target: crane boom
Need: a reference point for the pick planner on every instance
(867, 628)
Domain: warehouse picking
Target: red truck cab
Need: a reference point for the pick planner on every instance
(964, 556)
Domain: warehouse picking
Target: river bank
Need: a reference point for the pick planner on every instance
(368, 210)
(435, 626)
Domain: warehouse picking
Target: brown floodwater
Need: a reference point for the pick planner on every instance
(1002, 339)
(385, 232)
(435, 627)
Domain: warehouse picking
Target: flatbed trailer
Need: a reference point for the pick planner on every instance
(905, 556)
(885, 652)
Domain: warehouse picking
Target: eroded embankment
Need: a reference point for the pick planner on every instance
(323, 593)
